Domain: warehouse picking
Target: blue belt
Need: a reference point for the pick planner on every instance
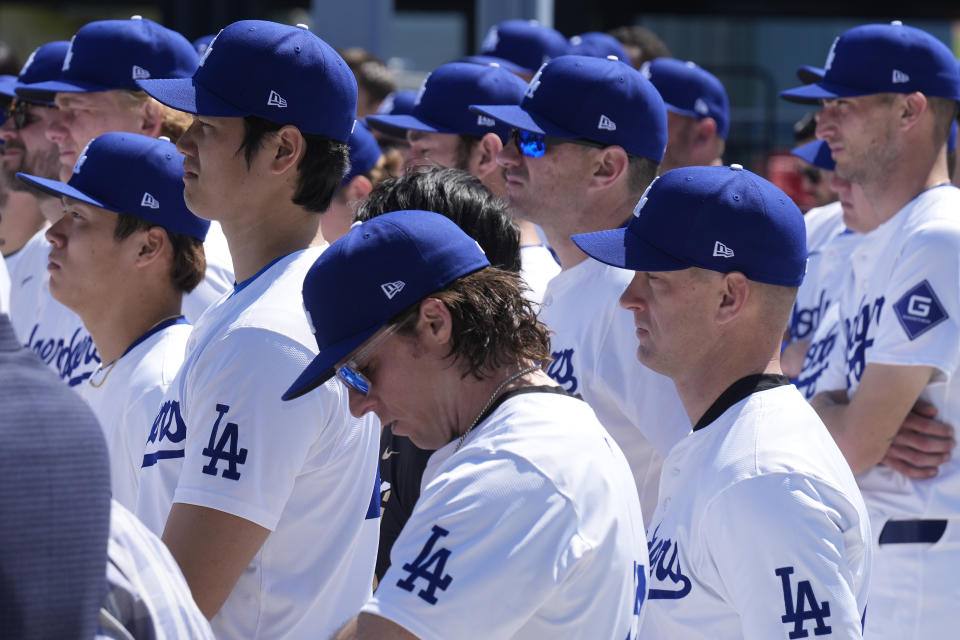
(904, 531)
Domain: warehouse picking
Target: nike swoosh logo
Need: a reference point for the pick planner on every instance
(389, 452)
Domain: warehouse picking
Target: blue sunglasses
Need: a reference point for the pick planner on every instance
(349, 372)
(534, 145)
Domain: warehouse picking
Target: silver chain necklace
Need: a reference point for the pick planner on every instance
(493, 397)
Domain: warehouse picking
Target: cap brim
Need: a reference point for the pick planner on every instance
(503, 62)
(183, 94)
(321, 368)
(816, 153)
(514, 116)
(685, 112)
(403, 123)
(8, 86)
(620, 248)
(808, 74)
(57, 188)
(813, 93)
(38, 90)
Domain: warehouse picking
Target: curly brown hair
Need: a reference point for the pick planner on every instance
(494, 325)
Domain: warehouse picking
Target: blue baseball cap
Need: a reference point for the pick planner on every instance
(599, 99)
(377, 270)
(115, 54)
(443, 103)
(151, 187)
(520, 46)
(201, 43)
(364, 152)
(43, 64)
(816, 153)
(598, 45)
(718, 218)
(882, 58)
(283, 74)
(398, 103)
(690, 90)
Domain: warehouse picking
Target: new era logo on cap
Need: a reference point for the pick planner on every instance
(721, 250)
(606, 123)
(484, 121)
(899, 77)
(701, 107)
(390, 289)
(149, 201)
(139, 73)
(275, 100)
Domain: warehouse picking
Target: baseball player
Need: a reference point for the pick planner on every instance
(54, 332)
(698, 112)
(423, 311)
(887, 125)
(760, 530)
(270, 508)
(443, 131)
(96, 93)
(122, 260)
(572, 171)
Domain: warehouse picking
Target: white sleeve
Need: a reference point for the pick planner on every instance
(245, 446)
(920, 321)
(783, 557)
(487, 543)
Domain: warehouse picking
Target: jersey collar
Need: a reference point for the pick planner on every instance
(738, 391)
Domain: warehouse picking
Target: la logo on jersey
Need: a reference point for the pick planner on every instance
(857, 331)
(390, 289)
(149, 201)
(561, 370)
(224, 448)
(168, 427)
(721, 250)
(139, 73)
(275, 100)
(606, 123)
(806, 607)
(429, 566)
(664, 566)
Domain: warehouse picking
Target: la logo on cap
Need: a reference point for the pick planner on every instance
(82, 158)
(206, 52)
(69, 56)
(535, 82)
(830, 55)
(390, 289)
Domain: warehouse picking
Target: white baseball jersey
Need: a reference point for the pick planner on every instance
(53, 331)
(531, 530)
(537, 267)
(125, 395)
(594, 347)
(823, 224)
(218, 278)
(4, 287)
(760, 531)
(306, 470)
(901, 306)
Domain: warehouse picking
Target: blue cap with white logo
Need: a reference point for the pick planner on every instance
(43, 64)
(377, 270)
(201, 43)
(443, 103)
(816, 153)
(718, 218)
(598, 99)
(114, 54)
(398, 103)
(151, 188)
(364, 152)
(598, 45)
(520, 46)
(690, 90)
(882, 58)
(283, 74)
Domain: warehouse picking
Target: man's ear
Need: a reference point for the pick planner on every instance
(912, 107)
(436, 324)
(288, 147)
(357, 190)
(610, 164)
(735, 293)
(153, 246)
(483, 156)
(151, 118)
(704, 132)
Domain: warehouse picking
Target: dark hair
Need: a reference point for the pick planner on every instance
(640, 173)
(494, 324)
(944, 113)
(648, 43)
(189, 260)
(805, 128)
(374, 76)
(321, 169)
(459, 196)
(465, 148)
